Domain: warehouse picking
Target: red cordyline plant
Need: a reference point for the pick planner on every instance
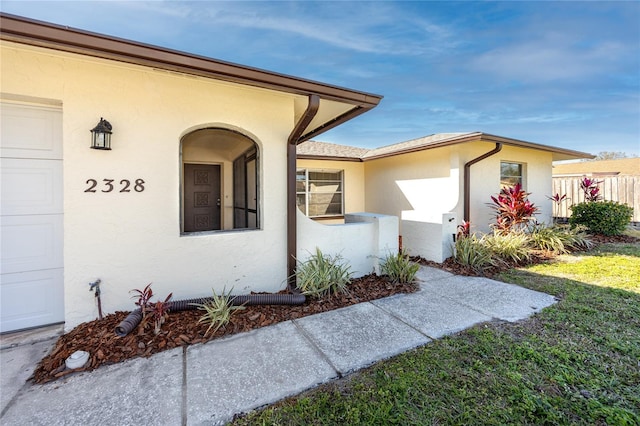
(590, 189)
(558, 199)
(512, 208)
(159, 312)
(464, 229)
(142, 298)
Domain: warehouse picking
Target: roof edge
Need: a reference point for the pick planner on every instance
(329, 158)
(483, 137)
(454, 140)
(516, 142)
(44, 34)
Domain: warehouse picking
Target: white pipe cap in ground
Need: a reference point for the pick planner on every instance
(77, 359)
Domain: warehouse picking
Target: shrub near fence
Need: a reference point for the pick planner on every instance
(623, 189)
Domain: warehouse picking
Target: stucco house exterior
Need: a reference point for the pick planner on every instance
(197, 191)
(211, 179)
(431, 183)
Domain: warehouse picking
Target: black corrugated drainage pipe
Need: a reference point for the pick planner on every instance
(467, 177)
(133, 319)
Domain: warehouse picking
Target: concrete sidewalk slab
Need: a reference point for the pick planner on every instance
(433, 315)
(17, 365)
(138, 391)
(210, 383)
(494, 298)
(359, 335)
(428, 274)
(249, 370)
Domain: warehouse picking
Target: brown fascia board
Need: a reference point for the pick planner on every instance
(482, 137)
(43, 34)
(328, 158)
(524, 144)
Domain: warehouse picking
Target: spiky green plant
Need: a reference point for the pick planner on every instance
(509, 247)
(547, 238)
(217, 311)
(399, 268)
(470, 251)
(576, 238)
(322, 274)
(558, 239)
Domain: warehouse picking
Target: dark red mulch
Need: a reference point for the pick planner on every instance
(603, 239)
(182, 328)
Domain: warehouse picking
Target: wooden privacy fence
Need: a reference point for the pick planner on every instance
(623, 189)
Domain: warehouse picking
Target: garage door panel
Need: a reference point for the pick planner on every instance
(30, 131)
(31, 186)
(31, 216)
(31, 299)
(31, 243)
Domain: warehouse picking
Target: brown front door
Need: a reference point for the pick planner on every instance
(201, 197)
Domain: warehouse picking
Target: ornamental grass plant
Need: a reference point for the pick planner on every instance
(323, 274)
(471, 251)
(217, 311)
(508, 247)
(558, 239)
(399, 268)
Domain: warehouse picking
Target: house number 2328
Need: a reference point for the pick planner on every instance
(110, 185)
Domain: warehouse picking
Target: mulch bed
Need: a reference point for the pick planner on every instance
(603, 239)
(182, 328)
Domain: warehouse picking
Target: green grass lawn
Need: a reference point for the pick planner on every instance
(577, 362)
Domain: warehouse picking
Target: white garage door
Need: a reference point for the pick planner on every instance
(31, 270)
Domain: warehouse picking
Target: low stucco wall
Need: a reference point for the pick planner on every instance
(362, 241)
(429, 236)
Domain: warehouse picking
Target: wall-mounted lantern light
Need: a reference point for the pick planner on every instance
(101, 135)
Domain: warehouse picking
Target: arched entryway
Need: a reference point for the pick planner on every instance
(220, 181)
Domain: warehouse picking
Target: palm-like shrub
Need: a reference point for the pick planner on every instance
(323, 274)
(399, 268)
(513, 209)
(591, 189)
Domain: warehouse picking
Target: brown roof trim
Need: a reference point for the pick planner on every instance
(43, 34)
(445, 142)
(352, 113)
(479, 136)
(328, 158)
(525, 144)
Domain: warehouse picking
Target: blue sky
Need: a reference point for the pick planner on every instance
(558, 73)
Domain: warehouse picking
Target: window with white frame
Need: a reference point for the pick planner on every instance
(319, 192)
(510, 174)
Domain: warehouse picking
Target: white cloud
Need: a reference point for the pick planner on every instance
(378, 28)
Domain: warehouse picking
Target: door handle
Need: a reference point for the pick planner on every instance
(218, 202)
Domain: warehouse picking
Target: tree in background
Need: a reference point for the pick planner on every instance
(610, 155)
